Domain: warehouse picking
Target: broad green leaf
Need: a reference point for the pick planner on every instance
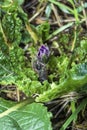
(24, 116)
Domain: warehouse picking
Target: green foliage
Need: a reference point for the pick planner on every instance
(62, 64)
(12, 26)
(74, 114)
(67, 67)
(59, 30)
(48, 11)
(14, 68)
(63, 7)
(24, 116)
(81, 52)
(43, 31)
(76, 78)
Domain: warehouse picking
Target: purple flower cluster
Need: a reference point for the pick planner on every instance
(43, 52)
(39, 64)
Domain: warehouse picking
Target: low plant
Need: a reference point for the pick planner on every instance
(43, 75)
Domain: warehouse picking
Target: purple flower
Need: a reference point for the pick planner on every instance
(43, 52)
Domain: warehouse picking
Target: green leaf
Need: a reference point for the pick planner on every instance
(60, 30)
(12, 27)
(43, 30)
(80, 8)
(48, 11)
(63, 7)
(20, 2)
(83, 44)
(75, 80)
(24, 116)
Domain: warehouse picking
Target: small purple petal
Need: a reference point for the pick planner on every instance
(43, 47)
(43, 52)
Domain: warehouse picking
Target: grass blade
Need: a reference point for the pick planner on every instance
(60, 30)
(74, 115)
(62, 6)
